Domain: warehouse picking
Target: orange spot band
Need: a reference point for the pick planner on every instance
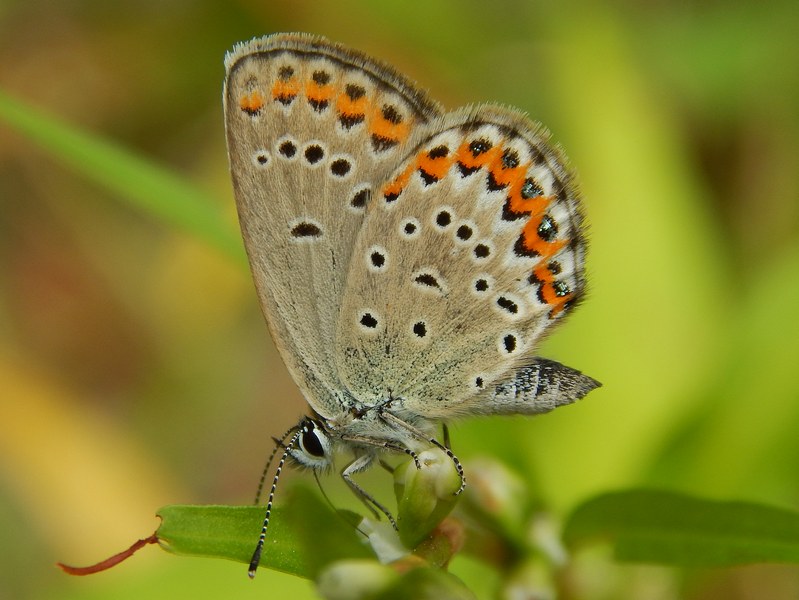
(252, 102)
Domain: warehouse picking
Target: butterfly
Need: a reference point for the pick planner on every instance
(408, 260)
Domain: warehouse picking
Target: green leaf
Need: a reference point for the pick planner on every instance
(231, 532)
(141, 183)
(675, 529)
(302, 538)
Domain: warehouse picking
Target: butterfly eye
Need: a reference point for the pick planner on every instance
(311, 442)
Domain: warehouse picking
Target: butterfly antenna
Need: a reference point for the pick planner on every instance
(279, 443)
(256, 556)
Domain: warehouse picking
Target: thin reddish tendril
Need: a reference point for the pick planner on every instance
(110, 561)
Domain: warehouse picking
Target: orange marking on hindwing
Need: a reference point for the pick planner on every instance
(534, 243)
(549, 295)
(504, 176)
(470, 161)
(394, 188)
(437, 166)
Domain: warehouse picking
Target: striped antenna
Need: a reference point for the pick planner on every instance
(256, 556)
(279, 443)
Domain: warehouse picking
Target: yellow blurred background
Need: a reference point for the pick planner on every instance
(135, 368)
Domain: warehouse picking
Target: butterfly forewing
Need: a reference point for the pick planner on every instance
(470, 252)
(312, 129)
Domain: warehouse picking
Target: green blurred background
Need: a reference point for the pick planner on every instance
(135, 368)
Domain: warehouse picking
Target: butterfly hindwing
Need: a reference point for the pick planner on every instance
(471, 251)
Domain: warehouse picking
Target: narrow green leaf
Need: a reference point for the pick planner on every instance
(231, 532)
(676, 529)
(133, 178)
(304, 535)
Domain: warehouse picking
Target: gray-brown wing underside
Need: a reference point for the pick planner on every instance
(470, 253)
(312, 128)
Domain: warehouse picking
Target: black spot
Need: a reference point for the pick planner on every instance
(548, 229)
(477, 147)
(420, 329)
(561, 289)
(285, 73)
(481, 251)
(354, 91)
(509, 342)
(350, 121)
(427, 178)
(360, 198)
(409, 228)
(531, 189)
(478, 382)
(466, 171)
(321, 77)
(311, 444)
(519, 248)
(443, 218)
(381, 143)
(438, 152)
(508, 305)
(493, 185)
(305, 229)
(262, 159)
(378, 259)
(391, 196)
(554, 267)
(367, 320)
(288, 149)
(314, 153)
(340, 167)
(464, 232)
(511, 215)
(481, 285)
(428, 280)
(391, 114)
(317, 104)
(510, 159)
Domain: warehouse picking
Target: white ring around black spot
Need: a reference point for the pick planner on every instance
(286, 148)
(429, 280)
(342, 166)
(509, 343)
(442, 217)
(261, 158)
(358, 198)
(464, 232)
(314, 154)
(304, 230)
(369, 321)
(477, 382)
(420, 330)
(509, 306)
(482, 285)
(482, 251)
(377, 259)
(409, 228)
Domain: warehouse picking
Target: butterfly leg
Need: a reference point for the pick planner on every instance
(356, 466)
(445, 433)
(395, 421)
